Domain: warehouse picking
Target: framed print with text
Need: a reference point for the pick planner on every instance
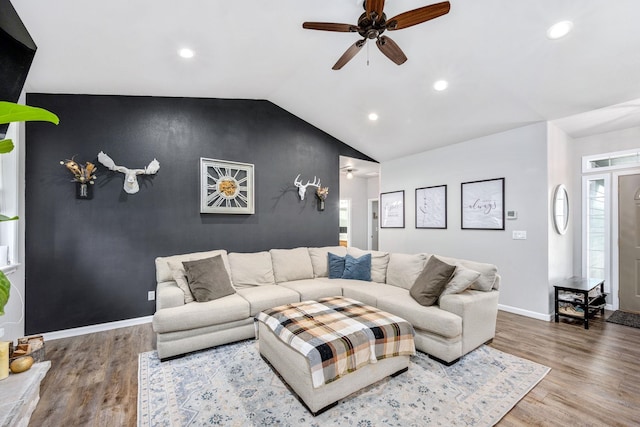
(482, 205)
(226, 187)
(392, 209)
(431, 207)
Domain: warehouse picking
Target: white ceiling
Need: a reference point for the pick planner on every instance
(502, 70)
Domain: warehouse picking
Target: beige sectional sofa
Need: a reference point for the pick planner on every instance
(455, 325)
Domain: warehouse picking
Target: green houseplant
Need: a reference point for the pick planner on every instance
(11, 112)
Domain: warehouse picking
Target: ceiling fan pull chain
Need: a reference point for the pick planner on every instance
(367, 54)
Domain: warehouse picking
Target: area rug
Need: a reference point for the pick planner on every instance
(624, 318)
(231, 385)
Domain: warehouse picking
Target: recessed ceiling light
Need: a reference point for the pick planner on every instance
(441, 85)
(373, 117)
(559, 30)
(186, 53)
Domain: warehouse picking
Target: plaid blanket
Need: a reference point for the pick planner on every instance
(339, 335)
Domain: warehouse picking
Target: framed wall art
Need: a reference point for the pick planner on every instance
(483, 205)
(392, 209)
(226, 187)
(431, 207)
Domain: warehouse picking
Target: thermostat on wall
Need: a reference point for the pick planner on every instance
(512, 214)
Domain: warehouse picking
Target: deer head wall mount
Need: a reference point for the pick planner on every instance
(302, 188)
(131, 175)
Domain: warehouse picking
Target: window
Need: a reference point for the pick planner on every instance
(596, 227)
(609, 161)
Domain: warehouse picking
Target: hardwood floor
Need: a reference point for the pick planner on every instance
(594, 378)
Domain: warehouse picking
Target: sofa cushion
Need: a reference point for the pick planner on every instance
(319, 258)
(314, 289)
(357, 268)
(488, 272)
(291, 264)
(267, 296)
(432, 318)
(368, 292)
(379, 262)
(336, 265)
(462, 278)
(208, 279)
(201, 314)
(431, 282)
(251, 269)
(404, 269)
(181, 280)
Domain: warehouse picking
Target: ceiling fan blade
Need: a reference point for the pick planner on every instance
(328, 26)
(350, 53)
(391, 50)
(374, 6)
(418, 16)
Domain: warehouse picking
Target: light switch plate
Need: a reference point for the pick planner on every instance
(151, 295)
(519, 235)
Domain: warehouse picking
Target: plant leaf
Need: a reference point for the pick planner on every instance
(6, 146)
(11, 112)
(5, 286)
(6, 218)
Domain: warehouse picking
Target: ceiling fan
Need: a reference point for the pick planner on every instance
(373, 22)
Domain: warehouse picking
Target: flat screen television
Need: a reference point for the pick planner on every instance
(16, 55)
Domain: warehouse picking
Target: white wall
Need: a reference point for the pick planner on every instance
(561, 171)
(520, 156)
(356, 191)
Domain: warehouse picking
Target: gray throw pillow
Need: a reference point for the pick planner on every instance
(430, 283)
(208, 279)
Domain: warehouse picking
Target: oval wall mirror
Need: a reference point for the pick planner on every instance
(561, 209)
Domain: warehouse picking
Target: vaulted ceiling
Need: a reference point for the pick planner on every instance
(503, 71)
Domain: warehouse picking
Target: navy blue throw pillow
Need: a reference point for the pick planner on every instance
(336, 266)
(357, 268)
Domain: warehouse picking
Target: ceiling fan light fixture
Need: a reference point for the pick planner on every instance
(441, 85)
(373, 117)
(349, 174)
(186, 53)
(559, 30)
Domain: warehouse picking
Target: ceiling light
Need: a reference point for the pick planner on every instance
(373, 117)
(186, 53)
(441, 85)
(559, 30)
(349, 174)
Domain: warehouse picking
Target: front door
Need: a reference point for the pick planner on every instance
(629, 242)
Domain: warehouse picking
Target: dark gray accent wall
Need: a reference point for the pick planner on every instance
(92, 261)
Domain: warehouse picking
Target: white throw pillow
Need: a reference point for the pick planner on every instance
(181, 279)
(461, 280)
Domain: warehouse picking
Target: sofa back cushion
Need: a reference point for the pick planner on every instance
(251, 269)
(166, 265)
(379, 262)
(404, 269)
(291, 264)
(488, 273)
(320, 259)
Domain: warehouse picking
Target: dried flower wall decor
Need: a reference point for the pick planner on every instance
(83, 176)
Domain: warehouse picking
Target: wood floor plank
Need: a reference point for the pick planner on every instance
(594, 378)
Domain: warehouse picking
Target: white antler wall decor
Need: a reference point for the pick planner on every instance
(131, 175)
(302, 188)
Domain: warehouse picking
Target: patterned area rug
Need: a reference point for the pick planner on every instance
(231, 385)
(624, 318)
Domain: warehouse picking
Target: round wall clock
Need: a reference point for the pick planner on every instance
(226, 187)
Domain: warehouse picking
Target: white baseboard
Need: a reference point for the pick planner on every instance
(535, 315)
(66, 333)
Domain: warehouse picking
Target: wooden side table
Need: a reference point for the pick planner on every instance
(576, 291)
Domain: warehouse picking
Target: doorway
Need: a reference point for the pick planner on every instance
(372, 225)
(629, 242)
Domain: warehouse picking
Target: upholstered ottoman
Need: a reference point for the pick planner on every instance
(328, 349)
